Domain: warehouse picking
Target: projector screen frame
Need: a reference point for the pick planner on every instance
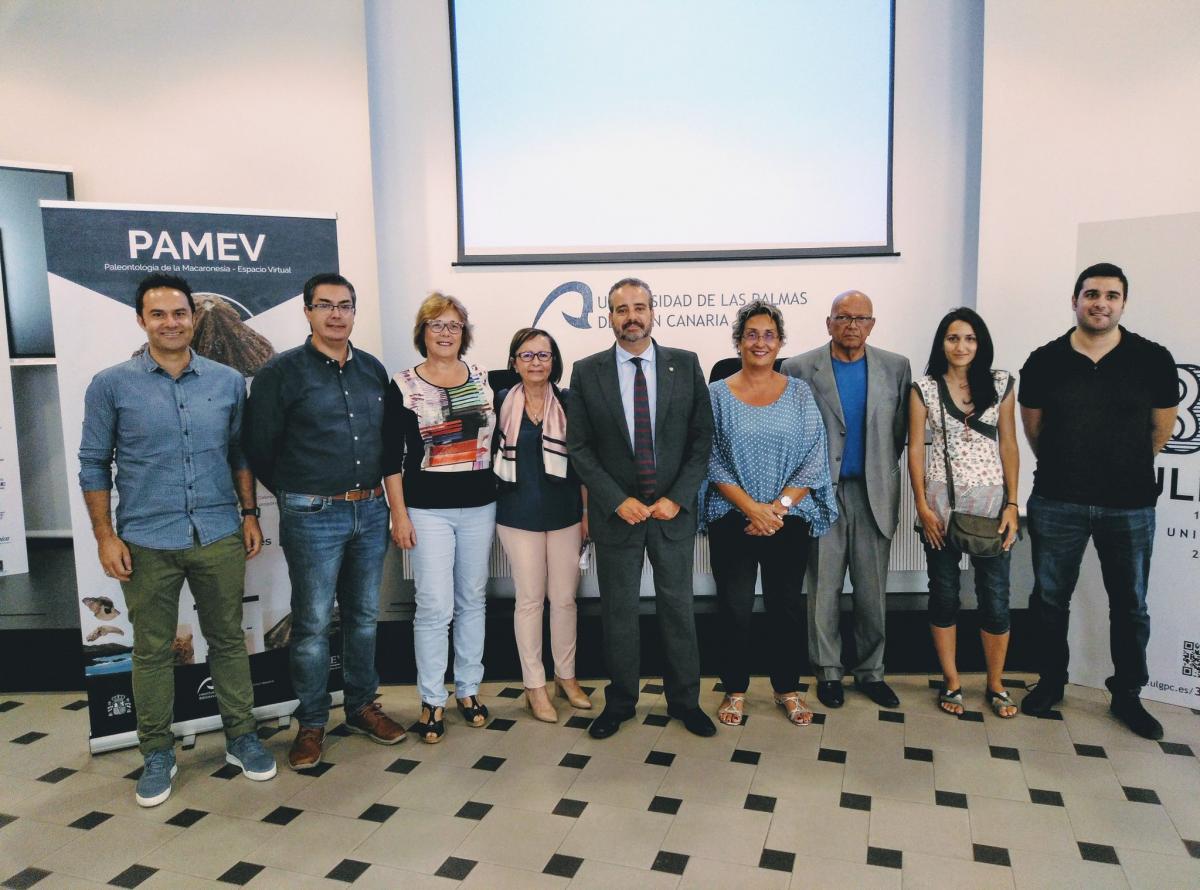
(658, 256)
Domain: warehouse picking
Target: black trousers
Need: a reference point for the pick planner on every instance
(736, 558)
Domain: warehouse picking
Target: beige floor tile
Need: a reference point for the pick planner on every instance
(25, 841)
(891, 776)
(282, 879)
(109, 848)
(1184, 809)
(1077, 693)
(64, 802)
(818, 873)
(487, 876)
(768, 731)
(437, 787)
(1141, 826)
(211, 846)
(597, 875)
(811, 780)
(174, 880)
(530, 741)
(60, 881)
(14, 790)
(1033, 870)
(707, 781)
(232, 797)
(527, 786)
(864, 733)
(381, 877)
(359, 751)
(1029, 734)
(1179, 724)
(414, 841)
(515, 838)
(921, 828)
(617, 835)
(678, 740)
(1145, 769)
(618, 783)
(708, 831)
(346, 790)
(1144, 869)
(709, 874)
(923, 871)
(941, 732)
(461, 746)
(979, 774)
(1090, 723)
(1071, 774)
(115, 763)
(633, 742)
(313, 843)
(829, 832)
(1018, 825)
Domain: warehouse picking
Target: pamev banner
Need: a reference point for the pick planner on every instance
(246, 269)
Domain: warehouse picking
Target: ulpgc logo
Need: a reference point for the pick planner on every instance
(1186, 438)
(583, 319)
(206, 690)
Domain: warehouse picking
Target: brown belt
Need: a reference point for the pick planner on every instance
(359, 494)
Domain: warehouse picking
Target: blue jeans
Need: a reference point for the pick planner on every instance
(333, 548)
(450, 567)
(991, 587)
(1124, 539)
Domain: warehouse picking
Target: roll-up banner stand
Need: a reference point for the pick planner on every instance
(247, 269)
(14, 558)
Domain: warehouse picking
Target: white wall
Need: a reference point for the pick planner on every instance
(938, 83)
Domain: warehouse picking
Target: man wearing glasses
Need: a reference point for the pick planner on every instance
(862, 392)
(313, 433)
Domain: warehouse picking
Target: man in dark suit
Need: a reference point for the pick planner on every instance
(862, 393)
(639, 432)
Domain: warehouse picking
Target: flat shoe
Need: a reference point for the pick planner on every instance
(694, 720)
(793, 705)
(999, 701)
(831, 693)
(954, 698)
(879, 692)
(732, 710)
(606, 724)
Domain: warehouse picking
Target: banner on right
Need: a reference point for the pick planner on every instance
(1161, 256)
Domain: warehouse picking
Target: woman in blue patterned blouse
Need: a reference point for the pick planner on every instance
(769, 494)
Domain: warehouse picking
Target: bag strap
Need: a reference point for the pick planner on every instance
(945, 448)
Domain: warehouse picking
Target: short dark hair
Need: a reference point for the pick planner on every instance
(630, 282)
(161, 279)
(752, 309)
(523, 336)
(333, 278)
(980, 382)
(1102, 270)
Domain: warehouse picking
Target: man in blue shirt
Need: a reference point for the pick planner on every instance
(862, 393)
(171, 420)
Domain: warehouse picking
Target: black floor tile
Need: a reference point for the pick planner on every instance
(950, 799)
(25, 878)
(934, 684)
(891, 716)
(229, 771)
(577, 722)
(1042, 796)
(925, 755)
(652, 688)
(281, 815)
(348, 870)
(777, 860)
(340, 731)
(992, 855)
(1009, 683)
(818, 717)
(90, 821)
(266, 732)
(1098, 853)
(56, 775)
(378, 812)
(132, 876)
(501, 724)
(884, 857)
(5, 819)
(759, 803)
(473, 809)
(569, 807)
(831, 755)
(750, 757)
(574, 761)
(28, 739)
(562, 866)
(510, 692)
(671, 863)
(1140, 795)
(186, 818)
(454, 868)
(9, 705)
(668, 805)
(1050, 715)
(136, 774)
(489, 763)
(656, 720)
(241, 874)
(188, 743)
(1193, 848)
(1175, 748)
(1090, 751)
(316, 772)
(77, 705)
(403, 766)
(660, 758)
(971, 716)
(856, 801)
(1002, 753)
(802, 687)
(718, 686)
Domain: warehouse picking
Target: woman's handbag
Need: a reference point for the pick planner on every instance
(972, 535)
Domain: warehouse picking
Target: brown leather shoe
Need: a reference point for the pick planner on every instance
(375, 725)
(306, 749)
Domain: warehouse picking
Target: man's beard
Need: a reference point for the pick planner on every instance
(629, 335)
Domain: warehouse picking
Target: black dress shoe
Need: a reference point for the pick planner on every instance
(1128, 708)
(694, 720)
(831, 693)
(879, 692)
(1042, 698)
(607, 724)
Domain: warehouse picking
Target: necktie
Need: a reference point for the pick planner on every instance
(643, 439)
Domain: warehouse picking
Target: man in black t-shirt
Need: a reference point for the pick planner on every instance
(1098, 404)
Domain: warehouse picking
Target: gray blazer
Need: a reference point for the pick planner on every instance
(889, 378)
(598, 441)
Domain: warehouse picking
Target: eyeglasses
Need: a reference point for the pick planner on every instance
(437, 326)
(767, 337)
(530, 356)
(343, 308)
(854, 319)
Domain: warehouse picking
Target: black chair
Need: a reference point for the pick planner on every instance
(727, 367)
(503, 379)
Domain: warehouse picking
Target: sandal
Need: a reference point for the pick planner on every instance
(473, 712)
(793, 705)
(999, 701)
(431, 730)
(732, 710)
(952, 698)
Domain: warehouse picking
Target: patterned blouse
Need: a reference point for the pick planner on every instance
(765, 449)
(974, 449)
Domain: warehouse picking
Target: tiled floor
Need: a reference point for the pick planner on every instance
(864, 798)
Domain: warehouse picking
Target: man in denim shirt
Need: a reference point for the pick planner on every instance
(172, 421)
(314, 436)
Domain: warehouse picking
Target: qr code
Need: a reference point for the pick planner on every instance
(1191, 659)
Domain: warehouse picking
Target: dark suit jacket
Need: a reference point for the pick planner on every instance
(598, 441)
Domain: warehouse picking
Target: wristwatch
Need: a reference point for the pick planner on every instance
(785, 502)
(252, 511)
